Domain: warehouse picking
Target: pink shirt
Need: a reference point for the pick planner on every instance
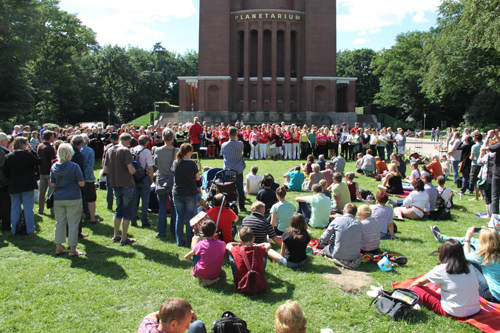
(254, 137)
(212, 253)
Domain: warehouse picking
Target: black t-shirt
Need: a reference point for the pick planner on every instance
(296, 251)
(185, 178)
(395, 185)
(496, 149)
(267, 196)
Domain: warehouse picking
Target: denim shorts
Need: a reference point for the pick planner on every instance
(124, 197)
(289, 264)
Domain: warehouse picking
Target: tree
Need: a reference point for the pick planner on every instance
(482, 23)
(357, 63)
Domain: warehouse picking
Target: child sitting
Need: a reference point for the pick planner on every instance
(253, 181)
(381, 166)
(274, 185)
(324, 185)
(250, 249)
(445, 165)
(358, 164)
(267, 195)
(293, 248)
(208, 255)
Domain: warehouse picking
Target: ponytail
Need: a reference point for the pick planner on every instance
(185, 149)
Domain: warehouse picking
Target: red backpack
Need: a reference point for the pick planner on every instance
(253, 282)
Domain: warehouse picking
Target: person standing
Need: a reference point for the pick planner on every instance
(495, 180)
(89, 193)
(232, 152)
(195, 132)
(118, 163)
(47, 153)
(455, 155)
(19, 168)
(4, 183)
(113, 139)
(142, 189)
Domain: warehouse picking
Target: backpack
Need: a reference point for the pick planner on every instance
(229, 323)
(253, 282)
(140, 173)
(396, 304)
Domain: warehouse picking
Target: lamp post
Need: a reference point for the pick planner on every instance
(424, 123)
(109, 118)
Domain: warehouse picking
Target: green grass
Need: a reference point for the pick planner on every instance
(389, 122)
(144, 120)
(112, 288)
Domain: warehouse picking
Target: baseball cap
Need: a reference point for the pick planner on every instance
(3, 136)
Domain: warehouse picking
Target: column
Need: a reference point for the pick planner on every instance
(287, 66)
(260, 55)
(274, 64)
(246, 86)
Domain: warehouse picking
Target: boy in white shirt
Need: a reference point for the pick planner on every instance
(253, 181)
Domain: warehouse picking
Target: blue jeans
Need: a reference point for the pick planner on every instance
(289, 264)
(109, 193)
(381, 153)
(466, 178)
(27, 199)
(162, 215)
(454, 167)
(197, 327)
(124, 197)
(304, 210)
(185, 208)
(142, 191)
(389, 152)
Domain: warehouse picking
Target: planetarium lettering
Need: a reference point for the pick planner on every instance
(263, 16)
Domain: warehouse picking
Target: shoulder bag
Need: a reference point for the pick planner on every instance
(165, 183)
(396, 304)
(50, 199)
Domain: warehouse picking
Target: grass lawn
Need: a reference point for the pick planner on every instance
(144, 120)
(113, 288)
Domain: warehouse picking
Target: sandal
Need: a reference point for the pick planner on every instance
(116, 239)
(63, 251)
(76, 254)
(127, 241)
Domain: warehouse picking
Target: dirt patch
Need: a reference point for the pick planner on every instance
(348, 280)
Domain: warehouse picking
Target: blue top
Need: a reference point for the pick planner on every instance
(312, 138)
(476, 150)
(296, 179)
(232, 151)
(71, 174)
(89, 154)
(491, 273)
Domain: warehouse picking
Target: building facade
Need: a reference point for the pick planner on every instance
(268, 61)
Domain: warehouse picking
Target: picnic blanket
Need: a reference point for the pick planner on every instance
(487, 320)
(313, 245)
(404, 195)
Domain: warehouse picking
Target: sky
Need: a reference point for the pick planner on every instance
(174, 23)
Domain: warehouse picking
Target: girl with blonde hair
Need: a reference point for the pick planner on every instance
(290, 318)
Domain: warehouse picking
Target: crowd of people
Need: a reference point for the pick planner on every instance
(59, 163)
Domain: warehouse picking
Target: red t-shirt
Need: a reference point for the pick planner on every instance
(296, 137)
(288, 137)
(263, 137)
(382, 166)
(241, 268)
(227, 217)
(246, 135)
(223, 137)
(320, 139)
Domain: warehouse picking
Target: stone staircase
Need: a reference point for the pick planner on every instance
(368, 120)
(166, 117)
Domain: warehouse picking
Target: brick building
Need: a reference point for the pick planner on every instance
(268, 61)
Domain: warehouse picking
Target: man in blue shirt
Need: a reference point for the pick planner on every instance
(295, 179)
(232, 152)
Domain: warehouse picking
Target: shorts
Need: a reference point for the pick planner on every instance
(124, 197)
(289, 264)
(89, 193)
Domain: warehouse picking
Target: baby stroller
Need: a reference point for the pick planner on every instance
(224, 181)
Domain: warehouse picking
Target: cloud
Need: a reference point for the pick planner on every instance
(368, 14)
(420, 18)
(131, 22)
(375, 30)
(360, 41)
(362, 33)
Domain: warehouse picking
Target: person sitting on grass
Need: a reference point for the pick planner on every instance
(384, 215)
(370, 240)
(294, 179)
(321, 162)
(431, 191)
(266, 195)
(253, 181)
(415, 204)
(328, 173)
(341, 241)
(435, 167)
(445, 192)
(353, 187)
(175, 315)
(274, 185)
(392, 183)
(307, 167)
(315, 176)
(415, 174)
(226, 217)
(261, 227)
(247, 243)
(324, 186)
(459, 297)
(368, 165)
(281, 212)
(208, 255)
(381, 166)
(293, 249)
(340, 192)
(359, 161)
(339, 163)
(316, 208)
(445, 165)
(290, 318)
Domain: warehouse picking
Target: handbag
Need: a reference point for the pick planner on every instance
(396, 304)
(165, 183)
(462, 163)
(483, 184)
(50, 199)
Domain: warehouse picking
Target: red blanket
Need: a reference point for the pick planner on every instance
(487, 320)
(404, 195)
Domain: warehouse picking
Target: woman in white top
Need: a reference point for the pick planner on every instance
(459, 297)
(415, 174)
(415, 204)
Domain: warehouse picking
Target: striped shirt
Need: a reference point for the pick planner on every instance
(260, 226)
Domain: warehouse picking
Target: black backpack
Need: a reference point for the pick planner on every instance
(21, 225)
(230, 323)
(396, 304)
(140, 172)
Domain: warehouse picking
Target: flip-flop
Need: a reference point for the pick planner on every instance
(76, 254)
(63, 251)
